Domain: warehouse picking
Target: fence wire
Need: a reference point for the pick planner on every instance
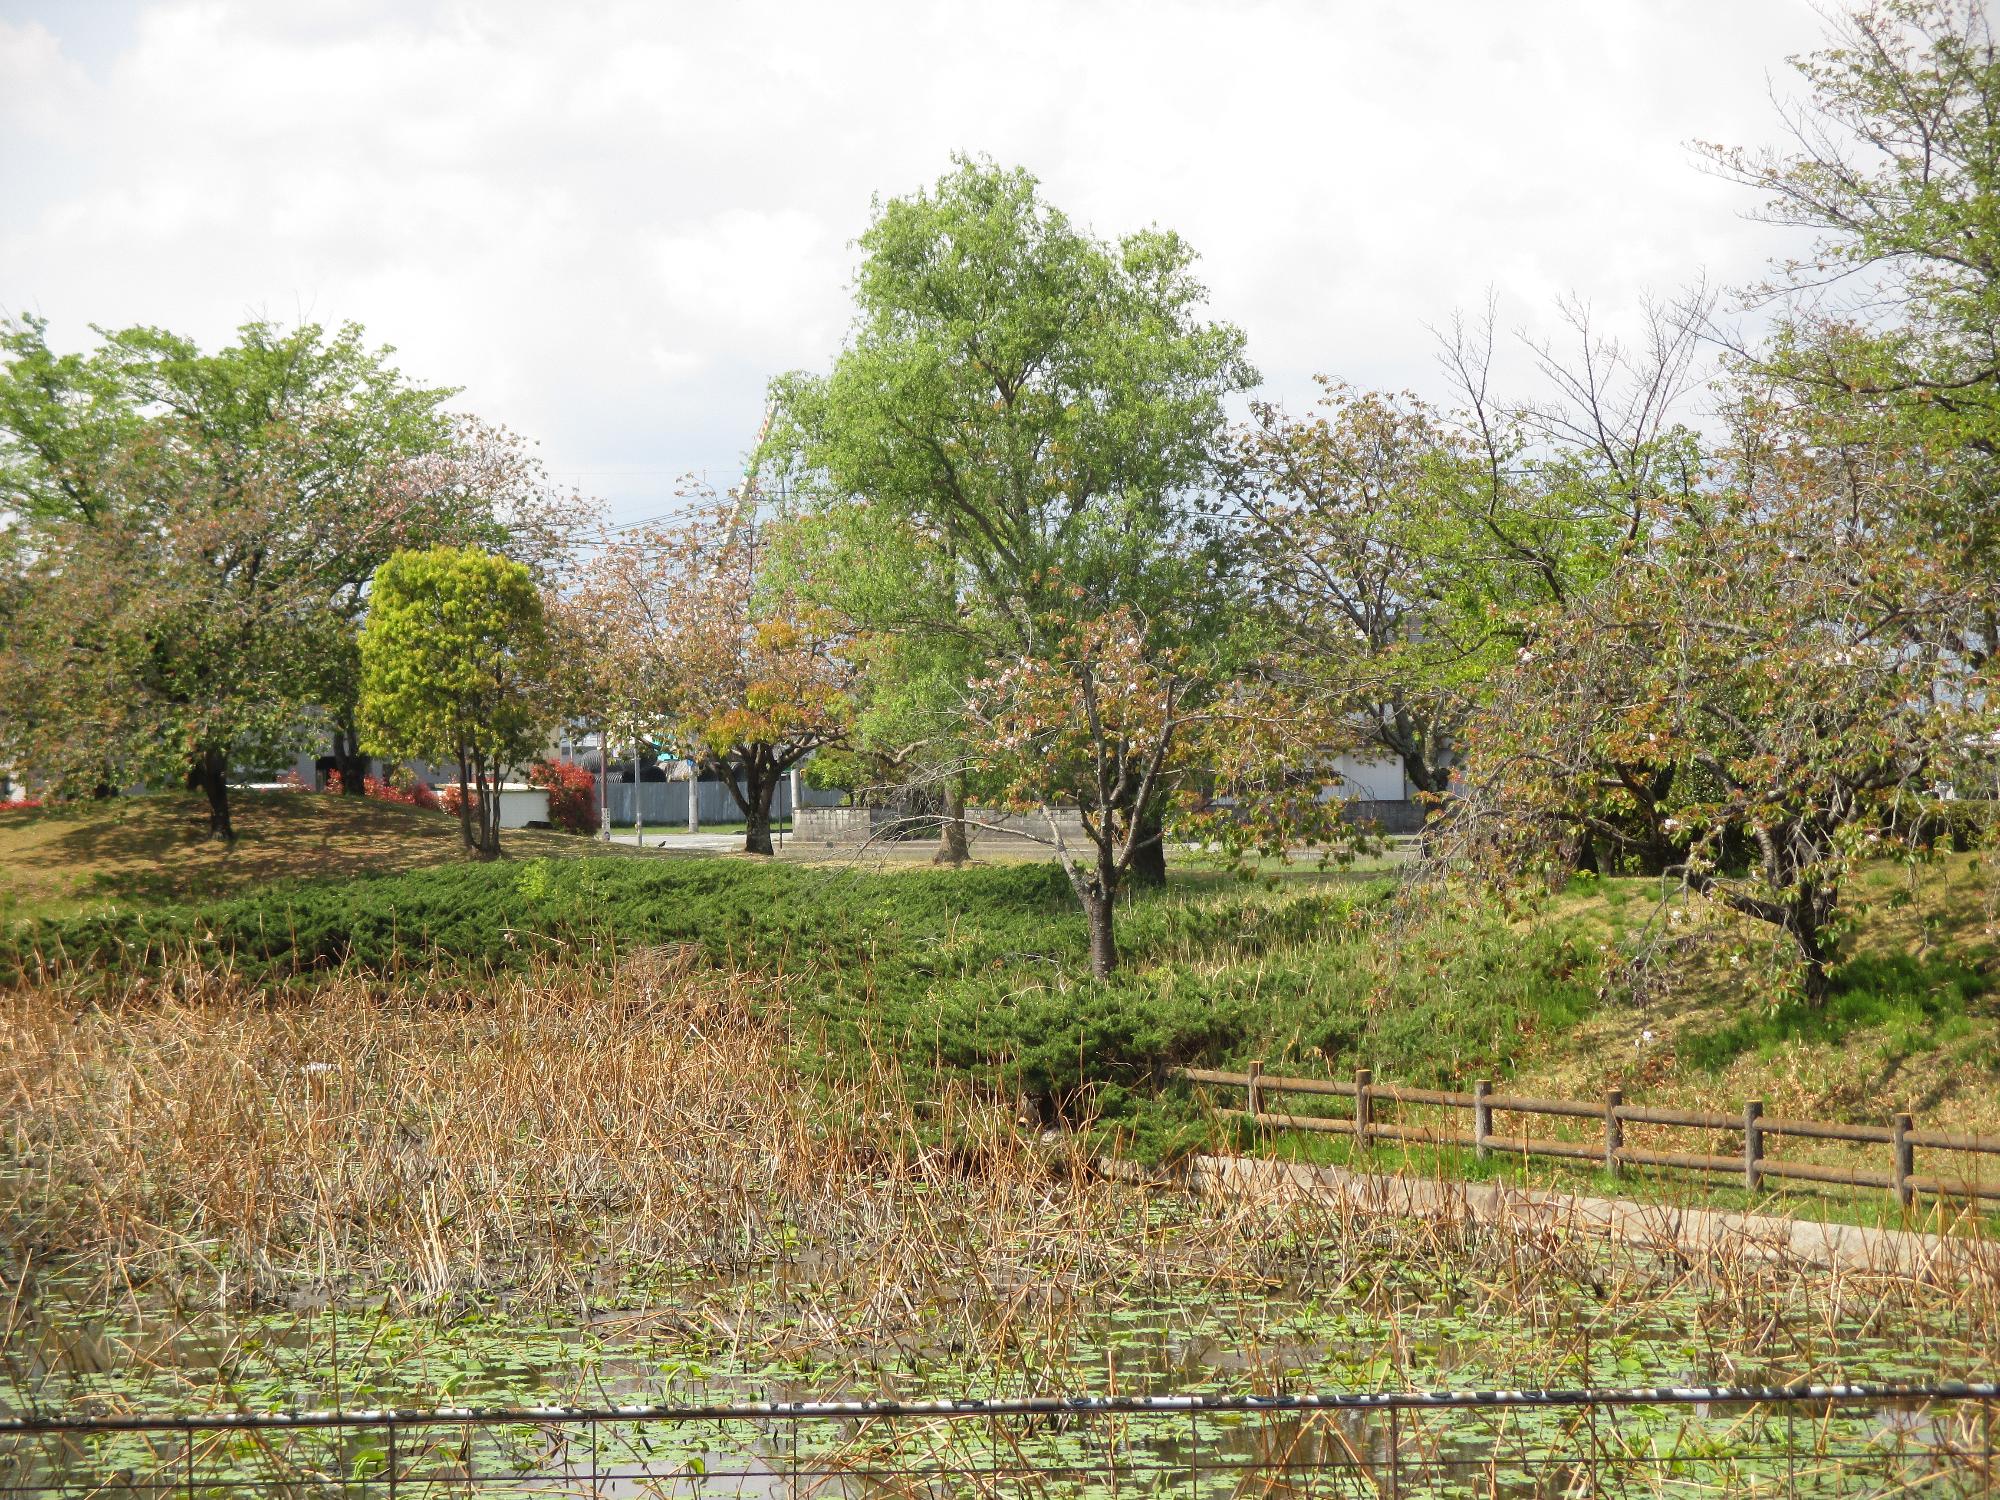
(1849, 1440)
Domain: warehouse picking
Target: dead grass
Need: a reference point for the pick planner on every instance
(61, 860)
(639, 1139)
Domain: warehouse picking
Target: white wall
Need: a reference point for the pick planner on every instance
(1371, 780)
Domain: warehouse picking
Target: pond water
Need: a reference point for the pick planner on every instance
(1325, 1315)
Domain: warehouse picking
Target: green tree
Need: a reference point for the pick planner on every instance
(916, 646)
(260, 483)
(458, 664)
(1043, 408)
(159, 640)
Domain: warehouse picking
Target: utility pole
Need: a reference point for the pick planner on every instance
(603, 784)
(638, 794)
(694, 796)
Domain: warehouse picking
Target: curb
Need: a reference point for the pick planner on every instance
(1692, 1232)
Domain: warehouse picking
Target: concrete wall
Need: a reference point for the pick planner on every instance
(1387, 817)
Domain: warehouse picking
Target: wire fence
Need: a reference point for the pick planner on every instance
(1849, 1440)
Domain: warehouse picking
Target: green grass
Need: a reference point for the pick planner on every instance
(1916, 1001)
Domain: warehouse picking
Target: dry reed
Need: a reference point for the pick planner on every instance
(568, 1135)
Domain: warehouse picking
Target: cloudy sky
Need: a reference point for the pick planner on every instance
(611, 223)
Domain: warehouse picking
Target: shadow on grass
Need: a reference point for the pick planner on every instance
(1922, 1002)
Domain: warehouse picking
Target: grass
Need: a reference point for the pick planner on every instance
(78, 857)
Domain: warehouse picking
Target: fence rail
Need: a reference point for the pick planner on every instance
(1754, 1126)
(1851, 1439)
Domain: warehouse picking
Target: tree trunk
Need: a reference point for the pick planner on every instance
(952, 846)
(487, 778)
(465, 804)
(1103, 942)
(1149, 858)
(213, 772)
(758, 788)
(353, 764)
(1812, 910)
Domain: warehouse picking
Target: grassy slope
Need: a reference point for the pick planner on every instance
(59, 861)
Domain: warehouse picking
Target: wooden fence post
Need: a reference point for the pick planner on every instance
(1482, 1117)
(1256, 1072)
(1614, 1129)
(1906, 1160)
(1753, 1144)
(1362, 1113)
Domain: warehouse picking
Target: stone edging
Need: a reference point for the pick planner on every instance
(1658, 1226)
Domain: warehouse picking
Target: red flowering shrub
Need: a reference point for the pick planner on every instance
(416, 794)
(572, 794)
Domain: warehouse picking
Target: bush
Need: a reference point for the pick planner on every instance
(416, 794)
(572, 794)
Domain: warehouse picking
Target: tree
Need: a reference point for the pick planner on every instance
(1369, 573)
(1757, 698)
(1890, 323)
(169, 635)
(458, 663)
(1042, 407)
(260, 484)
(701, 654)
(1130, 732)
(896, 597)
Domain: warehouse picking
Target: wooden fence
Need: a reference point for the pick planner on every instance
(1901, 1135)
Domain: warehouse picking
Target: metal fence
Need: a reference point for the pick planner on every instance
(1756, 1129)
(1850, 1440)
(665, 803)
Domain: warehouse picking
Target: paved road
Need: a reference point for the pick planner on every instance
(684, 843)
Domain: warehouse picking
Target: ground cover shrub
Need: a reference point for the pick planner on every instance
(500, 916)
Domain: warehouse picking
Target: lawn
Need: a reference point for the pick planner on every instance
(63, 860)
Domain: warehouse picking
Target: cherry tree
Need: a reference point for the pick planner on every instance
(695, 652)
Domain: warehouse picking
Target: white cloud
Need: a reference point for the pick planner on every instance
(612, 223)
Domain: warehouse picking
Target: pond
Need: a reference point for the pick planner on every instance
(1304, 1303)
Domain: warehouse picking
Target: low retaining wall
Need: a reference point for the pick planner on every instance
(1385, 817)
(857, 825)
(1658, 1226)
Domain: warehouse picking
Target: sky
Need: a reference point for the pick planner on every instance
(611, 223)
